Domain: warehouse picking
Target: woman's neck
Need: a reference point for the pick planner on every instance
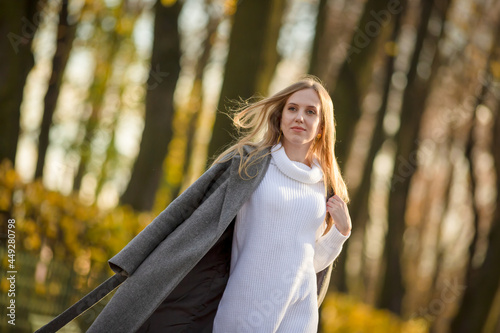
(298, 153)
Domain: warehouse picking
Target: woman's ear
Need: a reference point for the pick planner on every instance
(320, 131)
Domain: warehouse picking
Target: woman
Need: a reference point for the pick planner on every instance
(282, 238)
(239, 249)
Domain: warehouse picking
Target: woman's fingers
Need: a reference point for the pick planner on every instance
(339, 213)
(335, 200)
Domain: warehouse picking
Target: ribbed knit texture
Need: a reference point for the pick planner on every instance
(277, 250)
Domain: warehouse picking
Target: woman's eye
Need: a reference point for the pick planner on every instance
(291, 108)
(311, 112)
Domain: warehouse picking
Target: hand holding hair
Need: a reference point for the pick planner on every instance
(340, 214)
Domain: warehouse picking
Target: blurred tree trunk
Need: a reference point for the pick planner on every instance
(359, 199)
(111, 158)
(19, 22)
(405, 164)
(126, 53)
(185, 121)
(196, 98)
(356, 73)
(102, 75)
(64, 43)
(321, 46)
(483, 282)
(251, 61)
(165, 68)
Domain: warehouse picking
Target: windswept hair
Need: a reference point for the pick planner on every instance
(259, 126)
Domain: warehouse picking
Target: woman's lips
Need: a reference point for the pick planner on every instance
(298, 129)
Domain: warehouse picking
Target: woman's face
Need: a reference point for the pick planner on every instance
(301, 118)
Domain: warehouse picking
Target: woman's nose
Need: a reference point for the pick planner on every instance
(299, 117)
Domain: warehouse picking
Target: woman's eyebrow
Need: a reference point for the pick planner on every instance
(309, 106)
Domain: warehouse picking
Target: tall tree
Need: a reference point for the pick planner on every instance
(320, 47)
(196, 96)
(19, 22)
(102, 75)
(359, 203)
(65, 36)
(251, 60)
(483, 282)
(181, 152)
(356, 72)
(414, 101)
(165, 68)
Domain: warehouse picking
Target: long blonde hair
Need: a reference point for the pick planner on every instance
(259, 127)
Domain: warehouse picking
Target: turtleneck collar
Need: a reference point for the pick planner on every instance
(296, 170)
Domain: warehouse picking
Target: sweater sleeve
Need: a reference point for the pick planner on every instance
(328, 247)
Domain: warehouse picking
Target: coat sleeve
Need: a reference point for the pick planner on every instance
(134, 253)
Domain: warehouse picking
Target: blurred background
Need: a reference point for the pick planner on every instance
(111, 108)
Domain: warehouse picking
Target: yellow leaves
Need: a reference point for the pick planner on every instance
(54, 198)
(48, 212)
(5, 196)
(81, 213)
(71, 231)
(168, 3)
(495, 69)
(34, 193)
(82, 263)
(341, 313)
(51, 230)
(8, 176)
(82, 237)
(391, 48)
(415, 326)
(40, 289)
(125, 26)
(66, 223)
(32, 242)
(28, 226)
(4, 286)
(54, 288)
(143, 220)
(11, 179)
(230, 7)
(98, 254)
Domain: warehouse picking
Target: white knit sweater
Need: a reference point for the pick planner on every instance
(277, 250)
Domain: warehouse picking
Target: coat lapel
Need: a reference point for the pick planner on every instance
(239, 190)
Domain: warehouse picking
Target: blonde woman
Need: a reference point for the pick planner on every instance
(249, 246)
(282, 238)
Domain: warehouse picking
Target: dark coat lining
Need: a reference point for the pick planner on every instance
(192, 305)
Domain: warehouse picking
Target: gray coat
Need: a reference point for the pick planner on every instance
(179, 263)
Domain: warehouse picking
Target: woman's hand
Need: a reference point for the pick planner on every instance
(340, 214)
